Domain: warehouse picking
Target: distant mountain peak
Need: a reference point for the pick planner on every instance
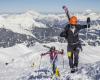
(32, 12)
(88, 11)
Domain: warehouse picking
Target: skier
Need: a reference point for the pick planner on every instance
(71, 34)
(53, 53)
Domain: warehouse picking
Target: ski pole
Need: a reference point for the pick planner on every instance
(62, 57)
(63, 61)
(87, 35)
(40, 64)
(88, 23)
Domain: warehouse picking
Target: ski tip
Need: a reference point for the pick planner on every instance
(64, 6)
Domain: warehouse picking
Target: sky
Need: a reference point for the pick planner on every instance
(48, 5)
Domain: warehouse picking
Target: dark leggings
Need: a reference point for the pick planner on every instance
(53, 66)
(73, 56)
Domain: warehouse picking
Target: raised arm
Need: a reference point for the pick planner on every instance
(60, 52)
(85, 26)
(43, 54)
(82, 27)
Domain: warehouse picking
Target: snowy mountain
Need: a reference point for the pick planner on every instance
(23, 35)
(30, 27)
(88, 13)
(20, 23)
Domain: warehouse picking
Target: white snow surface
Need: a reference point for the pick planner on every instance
(20, 59)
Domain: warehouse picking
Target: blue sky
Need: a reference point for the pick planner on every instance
(48, 5)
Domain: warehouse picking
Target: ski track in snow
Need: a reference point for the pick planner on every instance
(20, 59)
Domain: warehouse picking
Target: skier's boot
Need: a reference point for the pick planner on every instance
(57, 72)
(72, 70)
(76, 68)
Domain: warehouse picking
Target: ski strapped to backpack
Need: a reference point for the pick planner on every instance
(67, 12)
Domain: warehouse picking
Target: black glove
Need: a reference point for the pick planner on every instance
(62, 51)
(42, 54)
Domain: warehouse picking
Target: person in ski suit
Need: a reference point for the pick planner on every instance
(53, 53)
(71, 34)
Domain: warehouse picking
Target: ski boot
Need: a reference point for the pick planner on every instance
(76, 69)
(72, 70)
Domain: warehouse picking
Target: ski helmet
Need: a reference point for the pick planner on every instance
(52, 48)
(73, 20)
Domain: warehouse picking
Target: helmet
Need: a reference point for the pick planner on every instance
(73, 20)
(52, 48)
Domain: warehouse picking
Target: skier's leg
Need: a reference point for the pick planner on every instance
(71, 64)
(54, 67)
(76, 57)
(57, 72)
(70, 57)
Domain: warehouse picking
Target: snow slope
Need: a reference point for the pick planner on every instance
(21, 58)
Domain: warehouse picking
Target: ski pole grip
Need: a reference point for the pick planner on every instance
(88, 21)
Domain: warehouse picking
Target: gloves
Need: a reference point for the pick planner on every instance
(42, 54)
(62, 51)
